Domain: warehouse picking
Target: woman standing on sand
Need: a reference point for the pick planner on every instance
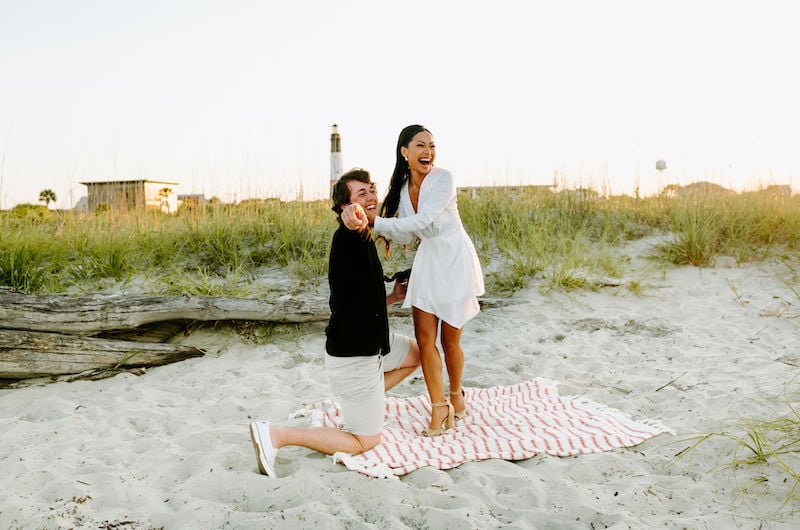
(446, 276)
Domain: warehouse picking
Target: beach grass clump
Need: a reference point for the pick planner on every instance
(28, 253)
(300, 238)
(562, 238)
(791, 265)
(772, 438)
(94, 251)
(203, 249)
(696, 237)
(237, 240)
(749, 227)
(114, 258)
(22, 263)
(569, 239)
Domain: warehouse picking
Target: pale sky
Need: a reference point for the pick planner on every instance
(236, 99)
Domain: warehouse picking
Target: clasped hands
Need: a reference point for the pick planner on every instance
(354, 217)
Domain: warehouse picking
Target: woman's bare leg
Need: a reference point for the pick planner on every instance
(454, 360)
(425, 329)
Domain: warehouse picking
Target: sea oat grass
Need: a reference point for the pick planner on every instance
(566, 239)
(771, 440)
(749, 227)
(44, 251)
(23, 264)
(557, 236)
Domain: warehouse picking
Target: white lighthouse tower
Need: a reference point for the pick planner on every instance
(336, 156)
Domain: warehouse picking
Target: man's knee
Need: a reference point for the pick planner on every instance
(413, 357)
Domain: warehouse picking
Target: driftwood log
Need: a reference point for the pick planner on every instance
(54, 335)
(89, 315)
(30, 354)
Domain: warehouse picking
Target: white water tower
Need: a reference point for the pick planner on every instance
(661, 165)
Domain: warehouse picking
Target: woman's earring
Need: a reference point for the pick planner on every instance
(405, 158)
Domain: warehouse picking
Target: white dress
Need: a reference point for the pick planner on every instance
(446, 276)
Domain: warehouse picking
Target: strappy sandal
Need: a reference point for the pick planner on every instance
(447, 423)
(461, 414)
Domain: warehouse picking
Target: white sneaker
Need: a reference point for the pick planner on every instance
(262, 443)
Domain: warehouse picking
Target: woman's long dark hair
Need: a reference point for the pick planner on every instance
(401, 171)
(399, 176)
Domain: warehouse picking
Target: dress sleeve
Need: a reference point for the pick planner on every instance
(438, 194)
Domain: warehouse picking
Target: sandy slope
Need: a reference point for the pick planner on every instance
(695, 349)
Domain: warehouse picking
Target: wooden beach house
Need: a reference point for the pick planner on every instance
(133, 194)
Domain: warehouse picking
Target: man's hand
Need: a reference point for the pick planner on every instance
(354, 217)
(398, 293)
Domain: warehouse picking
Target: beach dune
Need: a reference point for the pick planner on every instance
(694, 350)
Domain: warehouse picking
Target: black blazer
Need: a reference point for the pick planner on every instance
(358, 324)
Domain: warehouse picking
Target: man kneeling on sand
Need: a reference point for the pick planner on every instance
(363, 358)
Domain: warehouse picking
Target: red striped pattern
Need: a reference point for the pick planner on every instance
(510, 422)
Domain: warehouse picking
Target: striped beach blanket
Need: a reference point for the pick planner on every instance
(512, 422)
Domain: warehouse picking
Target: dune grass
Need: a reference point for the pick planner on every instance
(566, 240)
(569, 239)
(747, 227)
(213, 251)
(772, 440)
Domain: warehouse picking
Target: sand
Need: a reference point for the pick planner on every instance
(694, 349)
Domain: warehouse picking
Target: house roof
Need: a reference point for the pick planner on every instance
(131, 180)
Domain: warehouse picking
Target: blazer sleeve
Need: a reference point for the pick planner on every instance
(438, 194)
(347, 266)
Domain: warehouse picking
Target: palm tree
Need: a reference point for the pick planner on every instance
(47, 196)
(163, 196)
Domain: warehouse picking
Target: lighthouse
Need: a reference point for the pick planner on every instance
(336, 157)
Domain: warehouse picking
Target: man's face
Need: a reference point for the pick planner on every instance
(363, 193)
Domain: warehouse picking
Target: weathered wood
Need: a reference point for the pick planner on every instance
(155, 332)
(92, 314)
(30, 354)
(55, 335)
(89, 315)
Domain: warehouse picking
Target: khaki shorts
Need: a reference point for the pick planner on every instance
(358, 384)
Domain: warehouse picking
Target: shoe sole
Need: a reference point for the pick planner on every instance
(254, 437)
